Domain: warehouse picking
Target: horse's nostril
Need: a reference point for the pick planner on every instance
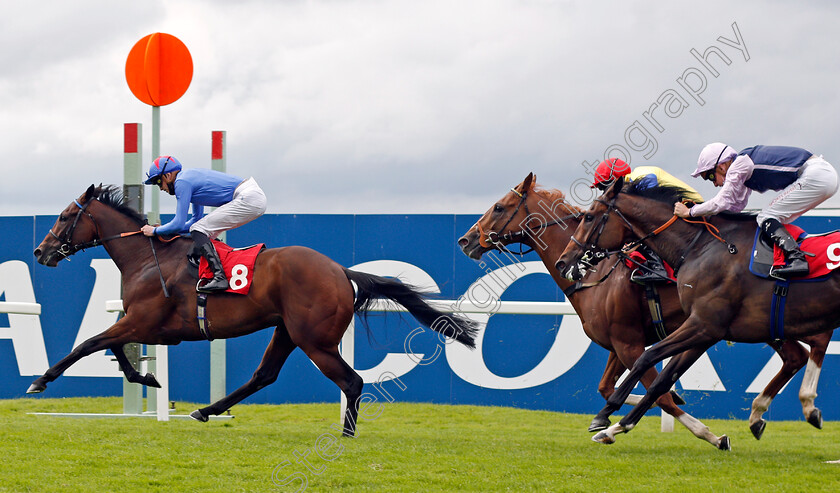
(37, 252)
(463, 241)
(560, 265)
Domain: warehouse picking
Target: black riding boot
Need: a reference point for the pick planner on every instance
(653, 270)
(796, 266)
(219, 281)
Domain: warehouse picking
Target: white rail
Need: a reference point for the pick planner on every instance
(20, 308)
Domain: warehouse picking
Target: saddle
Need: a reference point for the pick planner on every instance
(238, 264)
(823, 253)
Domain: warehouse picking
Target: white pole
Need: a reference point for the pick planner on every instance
(163, 378)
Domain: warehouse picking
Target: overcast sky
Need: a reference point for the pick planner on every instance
(433, 106)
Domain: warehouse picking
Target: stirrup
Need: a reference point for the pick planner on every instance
(796, 268)
(212, 285)
(644, 276)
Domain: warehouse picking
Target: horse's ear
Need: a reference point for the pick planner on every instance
(528, 182)
(89, 192)
(614, 189)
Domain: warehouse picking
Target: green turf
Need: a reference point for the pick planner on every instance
(406, 447)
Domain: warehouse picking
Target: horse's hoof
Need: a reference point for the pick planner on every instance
(757, 428)
(602, 437)
(724, 443)
(677, 399)
(815, 418)
(36, 388)
(150, 381)
(598, 424)
(198, 416)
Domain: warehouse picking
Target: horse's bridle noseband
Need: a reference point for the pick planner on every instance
(497, 240)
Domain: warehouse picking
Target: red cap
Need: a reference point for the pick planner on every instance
(610, 170)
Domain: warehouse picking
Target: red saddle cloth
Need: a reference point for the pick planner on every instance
(825, 247)
(238, 264)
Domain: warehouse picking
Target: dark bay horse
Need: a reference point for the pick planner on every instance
(307, 297)
(614, 313)
(722, 300)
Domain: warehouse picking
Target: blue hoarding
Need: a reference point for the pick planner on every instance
(530, 361)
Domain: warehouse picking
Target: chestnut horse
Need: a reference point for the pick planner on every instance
(722, 300)
(614, 313)
(307, 297)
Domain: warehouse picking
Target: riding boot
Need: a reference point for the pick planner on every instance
(653, 270)
(796, 265)
(219, 281)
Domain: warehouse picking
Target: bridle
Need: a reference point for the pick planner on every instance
(67, 248)
(497, 240)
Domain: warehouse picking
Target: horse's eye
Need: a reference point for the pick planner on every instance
(588, 218)
(498, 208)
(62, 218)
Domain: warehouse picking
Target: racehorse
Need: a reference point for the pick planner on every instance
(307, 297)
(614, 312)
(721, 299)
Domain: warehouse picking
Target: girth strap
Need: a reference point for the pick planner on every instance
(203, 323)
(777, 310)
(655, 306)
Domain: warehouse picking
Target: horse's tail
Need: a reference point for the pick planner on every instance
(370, 287)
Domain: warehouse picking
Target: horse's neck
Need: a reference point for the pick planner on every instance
(669, 244)
(129, 253)
(549, 245)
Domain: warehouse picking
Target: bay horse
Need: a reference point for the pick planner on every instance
(721, 299)
(614, 313)
(307, 297)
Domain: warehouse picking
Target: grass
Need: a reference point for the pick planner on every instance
(407, 447)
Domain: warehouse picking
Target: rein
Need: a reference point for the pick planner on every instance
(594, 254)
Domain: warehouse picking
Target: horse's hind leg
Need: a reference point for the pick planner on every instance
(808, 390)
(131, 373)
(336, 369)
(275, 355)
(793, 358)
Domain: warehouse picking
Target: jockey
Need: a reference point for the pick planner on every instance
(237, 202)
(806, 180)
(612, 169)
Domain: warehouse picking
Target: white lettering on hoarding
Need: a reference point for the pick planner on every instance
(24, 330)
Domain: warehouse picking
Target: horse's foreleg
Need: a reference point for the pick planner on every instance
(112, 337)
(606, 387)
(670, 374)
(273, 359)
(131, 373)
(612, 372)
(793, 358)
(642, 365)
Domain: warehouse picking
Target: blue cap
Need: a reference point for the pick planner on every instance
(163, 164)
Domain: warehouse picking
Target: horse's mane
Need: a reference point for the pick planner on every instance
(669, 194)
(112, 196)
(553, 195)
